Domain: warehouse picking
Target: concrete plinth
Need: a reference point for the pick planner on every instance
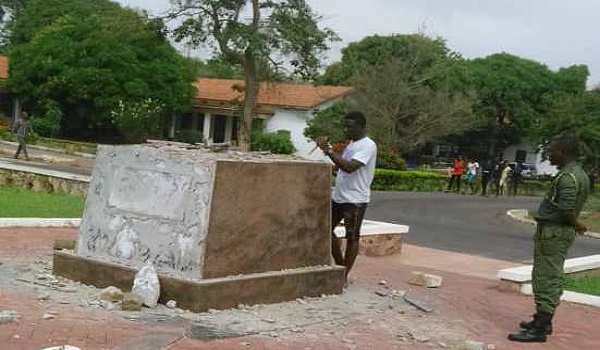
(221, 228)
(212, 293)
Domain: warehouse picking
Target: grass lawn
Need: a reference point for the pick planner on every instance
(591, 212)
(21, 203)
(587, 285)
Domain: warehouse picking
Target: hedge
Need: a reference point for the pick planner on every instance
(428, 181)
(414, 180)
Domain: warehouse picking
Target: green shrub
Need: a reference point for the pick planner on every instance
(48, 125)
(275, 142)
(388, 159)
(418, 181)
(189, 136)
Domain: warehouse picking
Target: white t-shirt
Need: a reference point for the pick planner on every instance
(356, 187)
(472, 168)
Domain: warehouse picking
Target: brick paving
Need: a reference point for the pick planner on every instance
(473, 301)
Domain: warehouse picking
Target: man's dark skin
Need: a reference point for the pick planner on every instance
(354, 132)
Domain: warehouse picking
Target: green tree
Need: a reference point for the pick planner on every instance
(87, 56)
(512, 93)
(327, 122)
(405, 110)
(579, 113)
(373, 51)
(215, 68)
(413, 89)
(278, 32)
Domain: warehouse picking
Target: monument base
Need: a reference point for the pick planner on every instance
(214, 293)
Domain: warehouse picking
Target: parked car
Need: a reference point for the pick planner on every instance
(529, 171)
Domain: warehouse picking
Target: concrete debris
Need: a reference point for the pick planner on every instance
(419, 302)
(48, 317)
(472, 345)
(131, 302)
(63, 347)
(147, 285)
(109, 306)
(171, 304)
(43, 296)
(111, 294)
(7, 316)
(425, 279)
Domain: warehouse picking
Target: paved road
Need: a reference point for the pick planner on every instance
(466, 224)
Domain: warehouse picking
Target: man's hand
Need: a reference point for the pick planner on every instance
(323, 143)
(580, 228)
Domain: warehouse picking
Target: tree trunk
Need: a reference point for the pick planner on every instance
(251, 88)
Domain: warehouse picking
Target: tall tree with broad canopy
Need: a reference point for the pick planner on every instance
(514, 94)
(90, 58)
(413, 89)
(268, 33)
(579, 113)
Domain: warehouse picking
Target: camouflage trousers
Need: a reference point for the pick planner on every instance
(551, 244)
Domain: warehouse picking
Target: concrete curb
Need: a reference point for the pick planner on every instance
(521, 276)
(39, 222)
(520, 215)
(45, 172)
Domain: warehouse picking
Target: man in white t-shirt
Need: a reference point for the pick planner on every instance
(355, 171)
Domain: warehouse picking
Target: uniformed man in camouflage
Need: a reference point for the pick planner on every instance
(557, 226)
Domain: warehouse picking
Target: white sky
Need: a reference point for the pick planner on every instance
(555, 32)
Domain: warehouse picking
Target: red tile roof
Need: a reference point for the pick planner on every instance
(300, 96)
(3, 67)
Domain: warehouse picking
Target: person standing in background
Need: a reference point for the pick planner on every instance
(486, 176)
(458, 170)
(22, 128)
(472, 170)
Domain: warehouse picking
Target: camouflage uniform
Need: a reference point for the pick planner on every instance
(553, 237)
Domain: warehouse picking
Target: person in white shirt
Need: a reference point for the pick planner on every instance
(355, 171)
(472, 170)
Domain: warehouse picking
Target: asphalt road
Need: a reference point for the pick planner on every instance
(466, 224)
(445, 221)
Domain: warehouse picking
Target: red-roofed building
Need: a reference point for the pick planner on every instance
(7, 103)
(281, 107)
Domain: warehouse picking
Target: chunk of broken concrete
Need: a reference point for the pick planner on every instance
(68, 244)
(419, 302)
(147, 286)
(425, 279)
(7, 316)
(63, 347)
(131, 302)
(111, 294)
(472, 345)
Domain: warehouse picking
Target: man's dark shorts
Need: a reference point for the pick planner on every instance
(352, 213)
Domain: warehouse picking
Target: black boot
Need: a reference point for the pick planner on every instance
(537, 334)
(531, 324)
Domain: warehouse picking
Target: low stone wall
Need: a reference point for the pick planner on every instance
(42, 183)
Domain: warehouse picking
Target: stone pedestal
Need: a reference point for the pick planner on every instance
(204, 218)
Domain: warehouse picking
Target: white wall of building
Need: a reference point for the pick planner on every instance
(295, 121)
(534, 156)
